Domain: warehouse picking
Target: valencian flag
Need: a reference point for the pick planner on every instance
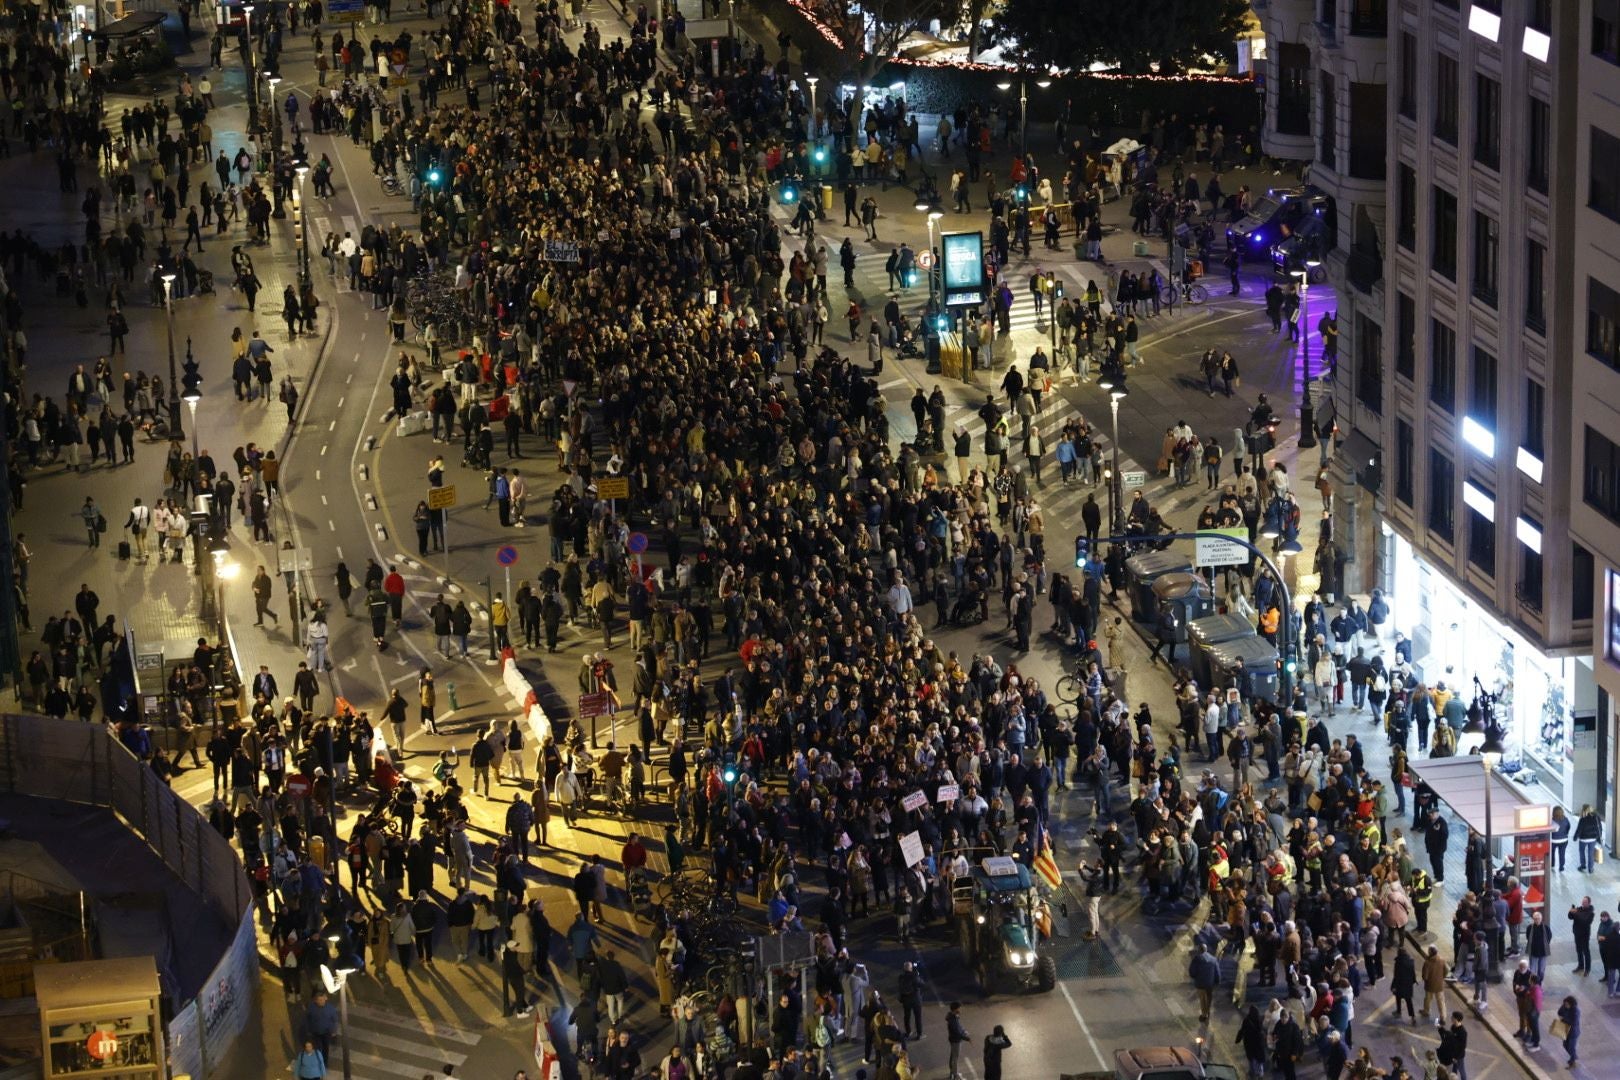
(1046, 866)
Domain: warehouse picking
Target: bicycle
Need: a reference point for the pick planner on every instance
(1190, 291)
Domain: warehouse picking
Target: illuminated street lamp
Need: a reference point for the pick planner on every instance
(176, 431)
(1023, 110)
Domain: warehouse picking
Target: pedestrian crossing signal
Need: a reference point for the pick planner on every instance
(434, 176)
(790, 193)
(1082, 551)
(821, 155)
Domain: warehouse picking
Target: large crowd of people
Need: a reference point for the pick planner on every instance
(780, 506)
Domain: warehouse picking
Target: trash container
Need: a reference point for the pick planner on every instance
(1144, 568)
(826, 197)
(1248, 663)
(1212, 630)
(1140, 249)
(1181, 597)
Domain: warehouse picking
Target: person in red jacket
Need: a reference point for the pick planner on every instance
(394, 586)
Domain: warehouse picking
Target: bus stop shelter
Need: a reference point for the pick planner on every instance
(1464, 785)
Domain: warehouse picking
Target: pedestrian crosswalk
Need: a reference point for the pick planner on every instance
(383, 1045)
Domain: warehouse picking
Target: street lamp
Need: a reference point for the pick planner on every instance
(176, 431)
(934, 216)
(253, 64)
(224, 570)
(1023, 110)
(1115, 385)
(192, 397)
(811, 81)
(302, 223)
(337, 982)
(1490, 755)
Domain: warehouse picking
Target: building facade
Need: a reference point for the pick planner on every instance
(1593, 299)
(1455, 392)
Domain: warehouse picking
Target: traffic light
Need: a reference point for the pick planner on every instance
(1082, 551)
(1021, 193)
(821, 155)
(729, 775)
(789, 193)
(434, 177)
(911, 278)
(942, 323)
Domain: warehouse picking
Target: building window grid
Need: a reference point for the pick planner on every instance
(1604, 168)
(1535, 286)
(1487, 121)
(1408, 75)
(1406, 206)
(1445, 98)
(1482, 542)
(1443, 258)
(1487, 247)
(1405, 336)
(1601, 473)
(1293, 89)
(1442, 365)
(1482, 389)
(1539, 125)
(1369, 364)
(1535, 423)
(1531, 578)
(1328, 128)
(1442, 496)
(1603, 323)
(1606, 30)
(1404, 465)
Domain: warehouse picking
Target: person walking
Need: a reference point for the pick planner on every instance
(1568, 1025)
(957, 1033)
(1205, 973)
(1434, 982)
(310, 1064)
(1453, 1051)
(1404, 983)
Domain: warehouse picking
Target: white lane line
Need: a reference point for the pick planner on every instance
(323, 454)
(340, 402)
(1084, 1028)
(332, 525)
(324, 502)
(332, 426)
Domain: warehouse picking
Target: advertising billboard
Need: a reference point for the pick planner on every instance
(964, 278)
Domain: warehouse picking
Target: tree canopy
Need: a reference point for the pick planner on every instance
(1176, 34)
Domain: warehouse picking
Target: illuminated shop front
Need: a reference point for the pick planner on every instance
(1546, 703)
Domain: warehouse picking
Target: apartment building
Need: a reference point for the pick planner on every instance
(1456, 386)
(1592, 297)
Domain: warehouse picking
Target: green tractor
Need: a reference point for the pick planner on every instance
(1002, 920)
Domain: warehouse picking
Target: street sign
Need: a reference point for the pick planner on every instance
(1214, 547)
(613, 487)
(441, 498)
(926, 260)
(507, 555)
(300, 785)
(637, 543)
(563, 251)
(600, 704)
(345, 10)
(1133, 478)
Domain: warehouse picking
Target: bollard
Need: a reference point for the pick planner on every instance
(450, 689)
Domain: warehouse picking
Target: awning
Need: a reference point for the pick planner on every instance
(1459, 783)
(138, 22)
